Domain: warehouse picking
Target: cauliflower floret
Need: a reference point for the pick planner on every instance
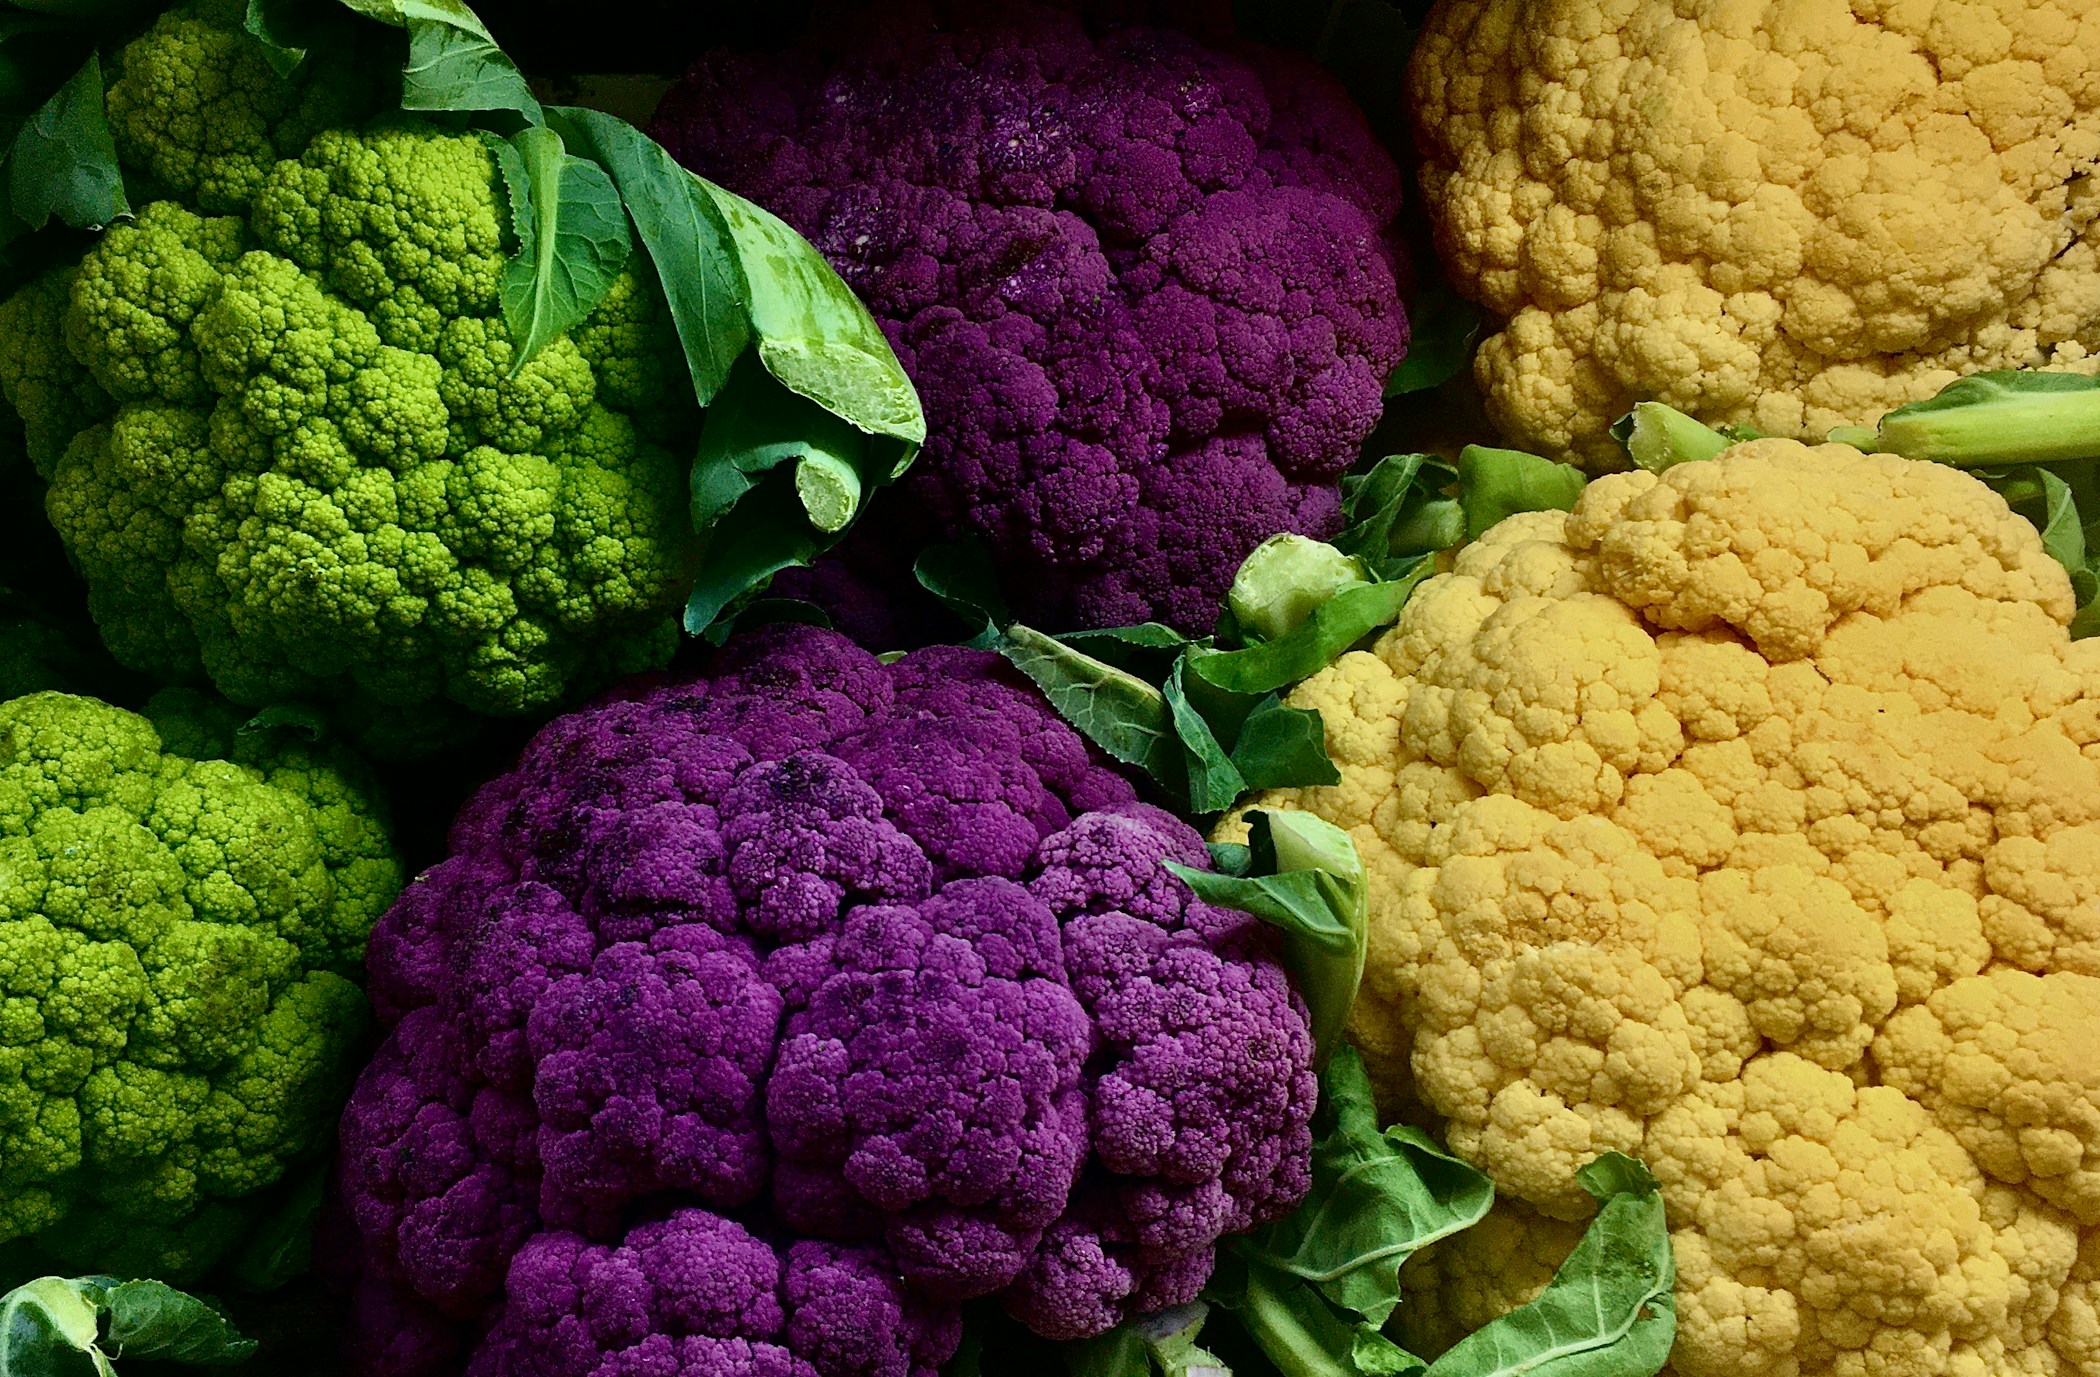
(1742, 819)
(1788, 215)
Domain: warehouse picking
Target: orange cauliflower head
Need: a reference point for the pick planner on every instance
(1746, 819)
(1790, 214)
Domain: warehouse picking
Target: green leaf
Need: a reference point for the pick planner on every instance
(308, 721)
(1172, 1337)
(1443, 329)
(1117, 711)
(764, 612)
(1992, 420)
(1118, 1353)
(1496, 483)
(280, 1248)
(1376, 1200)
(748, 493)
(1339, 623)
(572, 240)
(1398, 511)
(1304, 1336)
(1214, 782)
(453, 61)
(1658, 437)
(63, 162)
(684, 234)
(1608, 1312)
(1306, 881)
(1282, 747)
(1148, 649)
(813, 333)
(149, 1319)
(1284, 581)
(961, 574)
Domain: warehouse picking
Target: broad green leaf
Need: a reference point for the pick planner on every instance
(813, 333)
(48, 1328)
(1496, 483)
(1304, 1336)
(572, 240)
(1306, 881)
(1148, 649)
(1118, 1353)
(1992, 420)
(1443, 328)
(684, 234)
(1282, 747)
(1116, 710)
(63, 162)
(453, 61)
(1608, 1312)
(149, 1319)
(1658, 437)
(1377, 1199)
(1337, 624)
(1285, 580)
(768, 533)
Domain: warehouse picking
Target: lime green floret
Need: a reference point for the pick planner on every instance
(298, 456)
(176, 934)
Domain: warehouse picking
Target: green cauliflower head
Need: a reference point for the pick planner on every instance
(287, 443)
(181, 908)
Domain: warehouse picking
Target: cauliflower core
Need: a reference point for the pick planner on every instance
(285, 440)
(1747, 819)
(878, 961)
(176, 1024)
(1788, 215)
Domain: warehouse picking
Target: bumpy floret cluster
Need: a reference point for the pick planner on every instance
(877, 958)
(1791, 216)
(176, 929)
(1747, 819)
(286, 444)
(1139, 283)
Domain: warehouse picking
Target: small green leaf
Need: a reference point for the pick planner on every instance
(764, 612)
(1497, 483)
(1118, 1353)
(1339, 623)
(1306, 880)
(280, 1248)
(1443, 329)
(1658, 437)
(64, 162)
(961, 574)
(1398, 511)
(309, 722)
(1148, 649)
(49, 1328)
(1214, 782)
(684, 234)
(149, 1319)
(572, 240)
(1608, 1312)
(1117, 711)
(453, 61)
(1282, 747)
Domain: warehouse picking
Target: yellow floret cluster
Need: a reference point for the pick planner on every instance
(1747, 820)
(1793, 214)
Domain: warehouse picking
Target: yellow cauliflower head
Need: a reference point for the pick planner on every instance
(1792, 214)
(1746, 819)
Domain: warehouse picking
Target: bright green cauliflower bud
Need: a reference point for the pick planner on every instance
(178, 916)
(55, 397)
(300, 458)
(195, 105)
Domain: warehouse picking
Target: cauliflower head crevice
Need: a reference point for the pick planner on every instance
(1746, 819)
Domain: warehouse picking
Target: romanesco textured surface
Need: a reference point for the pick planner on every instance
(1790, 215)
(1747, 819)
(287, 445)
(180, 913)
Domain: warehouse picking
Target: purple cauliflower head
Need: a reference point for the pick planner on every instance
(755, 1021)
(1143, 285)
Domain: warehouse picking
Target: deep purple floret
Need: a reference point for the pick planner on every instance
(757, 1020)
(1145, 286)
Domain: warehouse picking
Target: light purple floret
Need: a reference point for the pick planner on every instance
(1145, 287)
(756, 1021)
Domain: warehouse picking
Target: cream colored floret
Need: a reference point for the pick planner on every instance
(1747, 819)
(1793, 214)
